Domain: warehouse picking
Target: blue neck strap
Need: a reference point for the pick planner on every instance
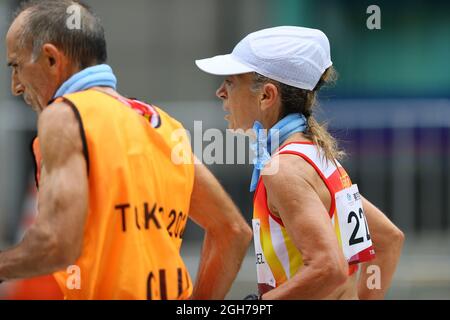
(97, 76)
(278, 134)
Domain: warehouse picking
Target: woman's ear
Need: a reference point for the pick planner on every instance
(269, 96)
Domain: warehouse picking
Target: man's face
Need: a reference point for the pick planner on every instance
(239, 100)
(29, 78)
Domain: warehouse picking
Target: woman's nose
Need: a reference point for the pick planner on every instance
(221, 92)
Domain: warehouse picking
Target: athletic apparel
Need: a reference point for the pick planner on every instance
(277, 258)
(138, 202)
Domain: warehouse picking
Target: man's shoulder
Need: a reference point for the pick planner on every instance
(57, 122)
(57, 113)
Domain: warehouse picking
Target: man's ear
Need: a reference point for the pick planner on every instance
(269, 96)
(52, 55)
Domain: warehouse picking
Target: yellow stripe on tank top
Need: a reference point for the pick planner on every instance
(295, 257)
(337, 229)
(267, 246)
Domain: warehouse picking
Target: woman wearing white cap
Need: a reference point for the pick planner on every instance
(311, 225)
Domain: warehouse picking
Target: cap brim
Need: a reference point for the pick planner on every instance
(223, 65)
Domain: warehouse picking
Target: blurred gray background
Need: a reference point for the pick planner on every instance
(390, 109)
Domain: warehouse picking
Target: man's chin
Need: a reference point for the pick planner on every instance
(34, 107)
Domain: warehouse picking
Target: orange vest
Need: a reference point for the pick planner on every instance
(138, 203)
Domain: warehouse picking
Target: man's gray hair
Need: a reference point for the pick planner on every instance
(46, 21)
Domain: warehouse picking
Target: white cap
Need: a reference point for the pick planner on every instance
(295, 56)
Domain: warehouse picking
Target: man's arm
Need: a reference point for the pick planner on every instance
(291, 195)
(54, 241)
(227, 236)
(387, 241)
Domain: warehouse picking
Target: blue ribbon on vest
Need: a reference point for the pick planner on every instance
(97, 76)
(278, 134)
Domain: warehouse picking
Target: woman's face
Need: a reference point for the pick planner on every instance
(241, 103)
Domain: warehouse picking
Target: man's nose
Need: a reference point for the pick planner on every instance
(221, 92)
(17, 88)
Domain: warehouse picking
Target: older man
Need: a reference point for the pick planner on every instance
(112, 203)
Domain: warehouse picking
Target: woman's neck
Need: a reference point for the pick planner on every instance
(296, 137)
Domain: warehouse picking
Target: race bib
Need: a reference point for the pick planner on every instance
(355, 235)
(266, 280)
